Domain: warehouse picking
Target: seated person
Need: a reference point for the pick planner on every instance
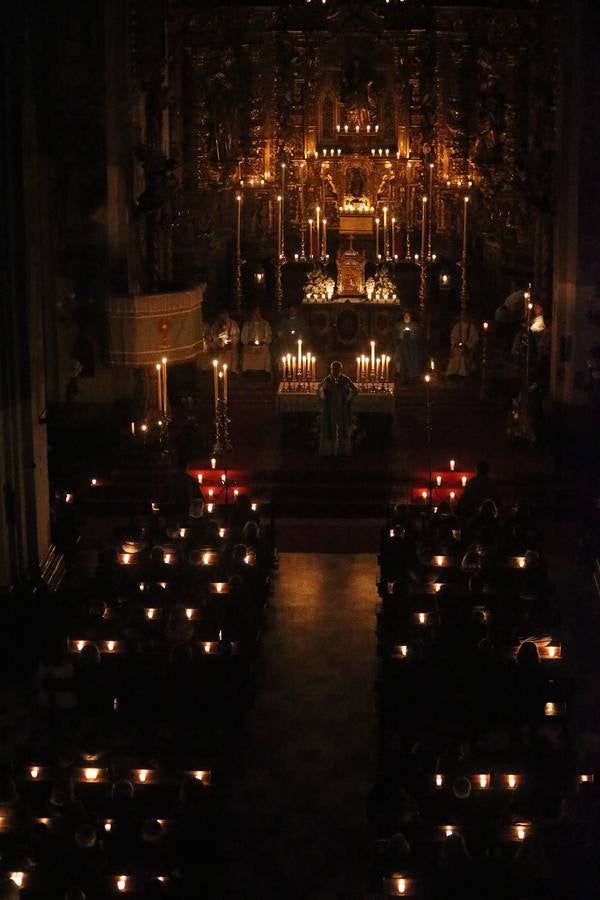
(256, 343)
(224, 340)
(478, 489)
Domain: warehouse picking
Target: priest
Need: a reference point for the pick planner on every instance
(335, 394)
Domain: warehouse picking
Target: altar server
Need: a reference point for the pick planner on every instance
(407, 348)
(224, 340)
(256, 343)
(464, 338)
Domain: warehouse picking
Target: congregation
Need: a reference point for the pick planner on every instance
(480, 790)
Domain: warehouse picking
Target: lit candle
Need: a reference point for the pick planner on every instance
(372, 357)
(289, 366)
(423, 223)
(452, 496)
(324, 238)
(238, 246)
(464, 250)
(225, 383)
(452, 464)
(213, 463)
(377, 238)
(310, 238)
(393, 238)
(439, 780)
(132, 430)
(438, 480)
(358, 368)
(298, 367)
(314, 368)
(283, 368)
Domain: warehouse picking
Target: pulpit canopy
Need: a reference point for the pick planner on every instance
(144, 327)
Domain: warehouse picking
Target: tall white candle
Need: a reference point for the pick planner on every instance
(289, 366)
(423, 223)
(310, 238)
(225, 383)
(358, 368)
(372, 356)
(324, 238)
(464, 248)
(299, 356)
(377, 238)
(283, 368)
(393, 229)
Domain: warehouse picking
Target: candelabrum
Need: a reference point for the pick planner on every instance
(223, 443)
(278, 283)
(298, 372)
(483, 388)
(428, 428)
(372, 373)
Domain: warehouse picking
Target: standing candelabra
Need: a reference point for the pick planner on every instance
(238, 256)
(428, 429)
(483, 388)
(464, 291)
(223, 443)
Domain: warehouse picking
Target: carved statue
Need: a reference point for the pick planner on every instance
(356, 182)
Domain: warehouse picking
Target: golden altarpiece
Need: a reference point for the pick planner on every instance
(330, 122)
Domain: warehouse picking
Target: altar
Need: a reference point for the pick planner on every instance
(378, 402)
(350, 310)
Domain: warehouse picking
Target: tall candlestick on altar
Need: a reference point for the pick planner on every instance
(225, 383)
(423, 224)
(393, 237)
(283, 368)
(164, 377)
(373, 357)
(289, 366)
(158, 387)
(430, 210)
(464, 247)
(299, 356)
(279, 212)
(310, 238)
(216, 380)
(324, 254)
(385, 234)
(318, 229)
(377, 238)
(282, 243)
(238, 247)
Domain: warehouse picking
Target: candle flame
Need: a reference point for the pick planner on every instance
(91, 774)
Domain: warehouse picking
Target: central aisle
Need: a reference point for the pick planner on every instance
(298, 811)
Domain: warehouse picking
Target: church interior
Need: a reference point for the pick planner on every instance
(299, 440)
